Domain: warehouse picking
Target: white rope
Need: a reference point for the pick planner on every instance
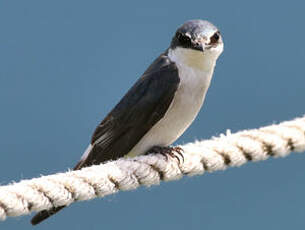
(126, 174)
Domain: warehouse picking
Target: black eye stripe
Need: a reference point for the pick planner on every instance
(214, 39)
(183, 39)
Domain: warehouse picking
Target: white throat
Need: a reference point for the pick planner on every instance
(204, 61)
(195, 67)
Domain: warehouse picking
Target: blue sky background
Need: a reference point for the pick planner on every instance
(64, 64)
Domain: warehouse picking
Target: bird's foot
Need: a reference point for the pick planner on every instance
(168, 151)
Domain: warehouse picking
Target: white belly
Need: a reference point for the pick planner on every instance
(183, 110)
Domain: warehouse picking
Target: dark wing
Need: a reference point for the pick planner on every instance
(141, 108)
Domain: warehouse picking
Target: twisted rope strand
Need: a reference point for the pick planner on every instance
(228, 150)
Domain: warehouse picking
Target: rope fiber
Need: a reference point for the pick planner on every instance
(218, 153)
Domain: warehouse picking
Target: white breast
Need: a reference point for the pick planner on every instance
(195, 72)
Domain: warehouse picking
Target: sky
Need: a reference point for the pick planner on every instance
(65, 64)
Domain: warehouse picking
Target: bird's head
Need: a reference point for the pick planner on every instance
(196, 40)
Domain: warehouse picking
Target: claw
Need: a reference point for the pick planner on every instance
(179, 151)
(168, 151)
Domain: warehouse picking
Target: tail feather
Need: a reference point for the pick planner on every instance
(44, 214)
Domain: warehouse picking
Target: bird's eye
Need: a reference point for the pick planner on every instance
(214, 39)
(184, 40)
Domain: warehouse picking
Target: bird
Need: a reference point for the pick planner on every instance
(161, 104)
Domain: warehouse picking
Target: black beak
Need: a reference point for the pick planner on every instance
(198, 46)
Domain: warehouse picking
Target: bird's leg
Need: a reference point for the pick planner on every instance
(167, 151)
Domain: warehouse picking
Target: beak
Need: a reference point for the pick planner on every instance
(201, 43)
(199, 46)
(202, 46)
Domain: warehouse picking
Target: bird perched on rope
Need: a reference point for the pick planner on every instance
(161, 105)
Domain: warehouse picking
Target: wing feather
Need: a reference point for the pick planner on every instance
(140, 109)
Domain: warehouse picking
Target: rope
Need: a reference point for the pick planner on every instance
(129, 173)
